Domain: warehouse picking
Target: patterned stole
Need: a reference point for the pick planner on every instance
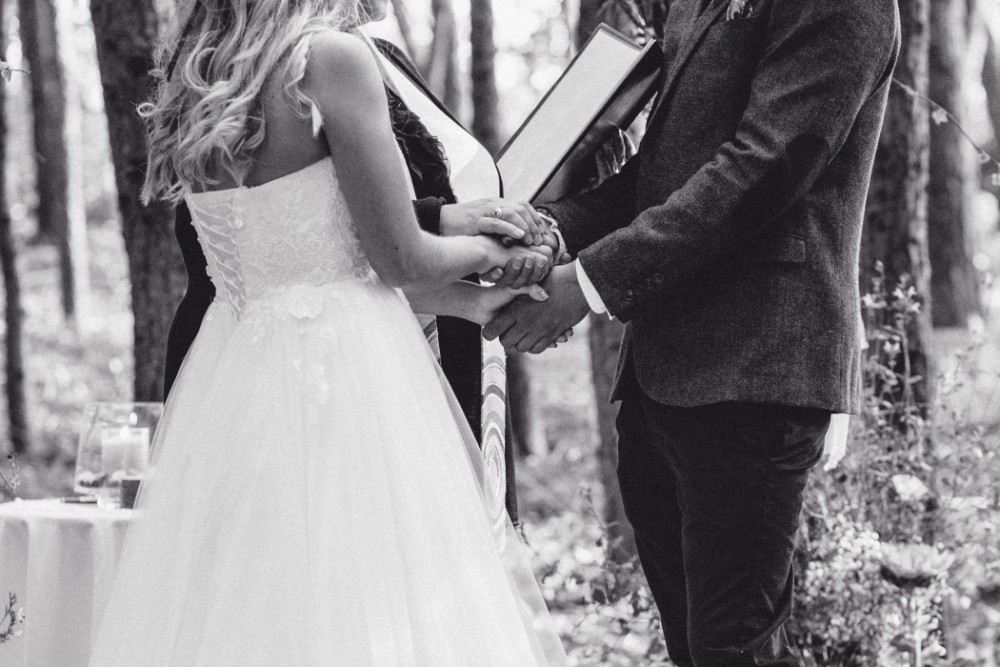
(429, 324)
(473, 175)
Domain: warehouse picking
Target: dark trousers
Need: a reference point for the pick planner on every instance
(714, 494)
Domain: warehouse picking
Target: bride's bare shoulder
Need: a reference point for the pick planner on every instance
(343, 81)
(340, 62)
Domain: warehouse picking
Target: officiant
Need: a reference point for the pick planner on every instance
(447, 166)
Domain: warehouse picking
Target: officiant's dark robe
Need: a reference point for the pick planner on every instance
(460, 341)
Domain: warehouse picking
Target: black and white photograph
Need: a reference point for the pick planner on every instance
(500, 333)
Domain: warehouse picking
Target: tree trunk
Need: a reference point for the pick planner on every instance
(76, 244)
(442, 67)
(17, 405)
(126, 34)
(589, 19)
(991, 71)
(529, 431)
(529, 434)
(48, 105)
(895, 230)
(402, 14)
(953, 172)
(605, 343)
(605, 337)
(485, 112)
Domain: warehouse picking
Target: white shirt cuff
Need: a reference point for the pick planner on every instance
(561, 250)
(590, 293)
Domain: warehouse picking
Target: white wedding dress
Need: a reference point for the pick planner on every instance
(314, 501)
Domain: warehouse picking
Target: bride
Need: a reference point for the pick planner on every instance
(315, 500)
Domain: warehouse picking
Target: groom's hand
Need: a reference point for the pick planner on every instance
(505, 277)
(531, 326)
(613, 154)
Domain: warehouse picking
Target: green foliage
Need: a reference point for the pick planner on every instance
(881, 532)
(12, 619)
(604, 608)
(10, 478)
(6, 71)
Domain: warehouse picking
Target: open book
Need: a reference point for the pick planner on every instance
(604, 87)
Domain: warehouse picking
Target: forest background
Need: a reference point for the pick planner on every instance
(899, 557)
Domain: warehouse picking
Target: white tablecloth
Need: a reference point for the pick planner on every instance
(60, 561)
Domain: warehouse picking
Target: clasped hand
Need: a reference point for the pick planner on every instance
(522, 255)
(528, 242)
(531, 325)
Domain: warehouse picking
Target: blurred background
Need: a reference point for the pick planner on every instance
(899, 561)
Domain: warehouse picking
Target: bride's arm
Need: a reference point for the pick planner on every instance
(472, 302)
(468, 301)
(343, 80)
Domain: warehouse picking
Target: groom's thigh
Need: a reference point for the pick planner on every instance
(649, 495)
(740, 471)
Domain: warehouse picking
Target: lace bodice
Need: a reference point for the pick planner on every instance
(291, 232)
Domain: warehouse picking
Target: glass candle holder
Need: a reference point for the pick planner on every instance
(114, 445)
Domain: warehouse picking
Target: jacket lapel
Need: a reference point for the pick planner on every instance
(686, 49)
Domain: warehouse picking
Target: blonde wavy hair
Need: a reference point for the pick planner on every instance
(207, 113)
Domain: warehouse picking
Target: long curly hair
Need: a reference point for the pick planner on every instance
(207, 113)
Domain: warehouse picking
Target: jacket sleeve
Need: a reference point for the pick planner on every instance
(197, 298)
(821, 63)
(587, 217)
(428, 212)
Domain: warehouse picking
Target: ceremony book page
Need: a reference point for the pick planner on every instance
(606, 86)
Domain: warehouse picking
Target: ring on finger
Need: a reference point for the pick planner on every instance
(497, 212)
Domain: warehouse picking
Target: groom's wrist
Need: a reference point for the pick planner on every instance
(560, 254)
(590, 292)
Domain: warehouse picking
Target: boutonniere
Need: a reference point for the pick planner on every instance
(740, 9)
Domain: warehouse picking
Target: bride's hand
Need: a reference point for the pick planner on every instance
(489, 301)
(521, 265)
(499, 217)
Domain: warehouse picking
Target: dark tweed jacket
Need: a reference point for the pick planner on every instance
(730, 243)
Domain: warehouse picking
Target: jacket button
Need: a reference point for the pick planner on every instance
(658, 278)
(629, 294)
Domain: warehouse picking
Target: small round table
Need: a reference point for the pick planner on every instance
(59, 560)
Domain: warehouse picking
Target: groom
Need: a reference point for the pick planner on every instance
(730, 246)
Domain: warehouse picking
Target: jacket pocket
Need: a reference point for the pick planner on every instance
(780, 248)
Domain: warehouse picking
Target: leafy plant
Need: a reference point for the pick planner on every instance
(10, 479)
(6, 71)
(901, 537)
(12, 619)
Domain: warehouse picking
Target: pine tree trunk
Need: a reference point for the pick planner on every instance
(126, 33)
(895, 230)
(17, 405)
(48, 105)
(953, 172)
(529, 431)
(76, 244)
(990, 15)
(485, 112)
(605, 337)
(442, 67)
(588, 20)
(402, 15)
(529, 434)
(605, 343)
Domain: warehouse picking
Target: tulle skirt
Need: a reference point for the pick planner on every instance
(314, 502)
